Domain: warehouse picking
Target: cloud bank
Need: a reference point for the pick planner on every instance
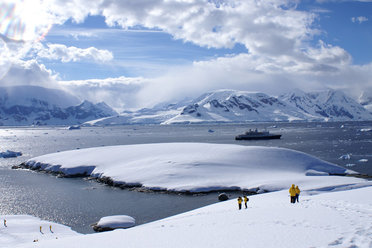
(73, 54)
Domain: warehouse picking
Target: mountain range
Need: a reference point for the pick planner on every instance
(33, 105)
(229, 106)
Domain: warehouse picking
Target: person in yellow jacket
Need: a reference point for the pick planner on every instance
(292, 193)
(240, 202)
(245, 201)
(298, 191)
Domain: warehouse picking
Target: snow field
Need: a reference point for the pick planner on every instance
(331, 219)
(334, 211)
(24, 229)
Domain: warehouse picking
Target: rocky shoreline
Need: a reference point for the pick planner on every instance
(130, 186)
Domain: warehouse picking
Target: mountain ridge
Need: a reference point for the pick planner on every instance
(233, 106)
(34, 105)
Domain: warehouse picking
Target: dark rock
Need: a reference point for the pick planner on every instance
(223, 197)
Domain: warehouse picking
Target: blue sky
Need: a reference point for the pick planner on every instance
(121, 52)
(137, 52)
(335, 20)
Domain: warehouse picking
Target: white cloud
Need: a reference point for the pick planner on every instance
(259, 25)
(28, 73)
(120, 93)
(68, 54)
(359, 19)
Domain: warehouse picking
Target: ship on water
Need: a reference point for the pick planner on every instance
(257, 135)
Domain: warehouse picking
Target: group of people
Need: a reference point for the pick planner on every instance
(294, 193)
(240, 200)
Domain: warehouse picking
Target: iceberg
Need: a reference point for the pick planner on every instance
(10, 154)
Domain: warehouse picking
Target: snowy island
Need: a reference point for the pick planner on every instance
(333, 210)
(195, 167)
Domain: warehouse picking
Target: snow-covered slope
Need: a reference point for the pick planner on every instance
(321, 219)
(32, 105)
(333, 211)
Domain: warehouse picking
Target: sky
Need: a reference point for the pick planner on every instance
(138, 53)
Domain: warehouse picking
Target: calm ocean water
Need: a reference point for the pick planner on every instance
(78, 202)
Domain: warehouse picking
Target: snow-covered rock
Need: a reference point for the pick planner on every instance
(109, 223)
(33, 105)
(195, 167)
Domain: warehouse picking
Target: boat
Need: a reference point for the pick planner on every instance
(256, 135)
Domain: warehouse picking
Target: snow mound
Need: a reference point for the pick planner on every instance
(114, 222)
(195, 167)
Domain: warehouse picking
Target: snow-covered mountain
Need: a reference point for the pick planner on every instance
(327, 105)
(365, 100)
(242, 106)
(33, 105)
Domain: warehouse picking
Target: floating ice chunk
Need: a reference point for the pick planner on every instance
(350, 165)
(10, 154)
(113, 222)
(366, 130)
(74, 127)
(316, 173)
(345, 157)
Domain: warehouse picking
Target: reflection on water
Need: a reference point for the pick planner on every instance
(78, 203)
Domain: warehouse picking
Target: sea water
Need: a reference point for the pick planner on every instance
(78, 202)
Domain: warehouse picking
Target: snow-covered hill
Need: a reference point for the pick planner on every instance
(32, 105)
